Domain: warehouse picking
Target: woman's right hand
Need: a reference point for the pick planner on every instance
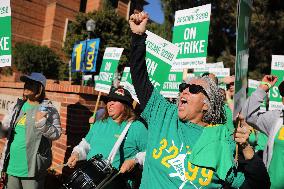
(73, 159)
(138, 22)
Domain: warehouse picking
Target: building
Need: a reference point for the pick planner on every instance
(45, 22)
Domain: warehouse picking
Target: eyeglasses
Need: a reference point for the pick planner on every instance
(192, 88)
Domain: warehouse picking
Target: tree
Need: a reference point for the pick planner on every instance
(29, 58)
(112, 30)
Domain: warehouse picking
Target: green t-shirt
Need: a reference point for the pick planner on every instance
(277, 163)
(104, 133)
(18, 164)
(183, 154)
(258, 140)
(229, 116)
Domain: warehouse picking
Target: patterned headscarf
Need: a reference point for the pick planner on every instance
(216, 112)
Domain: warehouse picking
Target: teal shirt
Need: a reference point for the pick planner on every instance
(258, 140)
(183, 154)
(18, 164)
(276, 166)
(104, 133)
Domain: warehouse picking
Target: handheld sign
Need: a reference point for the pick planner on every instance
(160, 54)
(171, 85)
(242, 54)
(190, 34)
(126, 82)
(277, 68)
(5, 33)
(108, 68)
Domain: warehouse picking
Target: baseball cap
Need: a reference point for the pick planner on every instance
(119, 94)
(35, 76)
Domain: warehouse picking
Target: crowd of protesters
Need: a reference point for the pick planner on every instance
(191, 144)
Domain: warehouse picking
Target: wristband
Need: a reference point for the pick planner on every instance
(266, 83)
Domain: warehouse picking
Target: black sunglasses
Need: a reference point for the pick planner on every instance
(192, 88)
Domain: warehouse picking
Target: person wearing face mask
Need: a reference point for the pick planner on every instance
(30, 127)
(189, 147)
(105, 132)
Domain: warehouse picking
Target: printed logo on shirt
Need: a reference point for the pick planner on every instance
(193, 174)
(22, 121)
(281, 133)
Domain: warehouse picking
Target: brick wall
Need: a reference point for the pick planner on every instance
(76, 104)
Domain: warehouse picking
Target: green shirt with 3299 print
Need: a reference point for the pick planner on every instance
(182, 154)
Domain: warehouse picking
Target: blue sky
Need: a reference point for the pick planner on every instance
(155, 11)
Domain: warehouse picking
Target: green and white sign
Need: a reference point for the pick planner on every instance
(126, 82)
(277, 68)
(171, 85)
(160, 54)
(5, 33)
(220, 73)
(108, 69)
(201, 69)
(242, 54)
(252, 86)
(190, 34)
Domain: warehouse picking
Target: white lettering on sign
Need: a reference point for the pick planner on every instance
(105, 76)
(172, 77)
(151, 66)
(275, 92)
(171, 85)
(107, 66)
(189, 33)
(4, 43)
(154, 83)
(191, 47)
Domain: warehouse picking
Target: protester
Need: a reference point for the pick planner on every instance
(30, 126)
(104, 133)
(183, 150)
(272, 124)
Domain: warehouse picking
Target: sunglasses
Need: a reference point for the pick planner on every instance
(192, 88)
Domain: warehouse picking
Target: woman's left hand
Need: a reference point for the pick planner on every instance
(127, 166)
(242, 136)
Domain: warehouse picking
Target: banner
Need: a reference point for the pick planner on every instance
(171, 85)
(160, 54)
(126, 82)
(5, 33)
(252, 86)
(190, 34)
(277, 68)
(84, 55)
(242, 54)
(108, 69)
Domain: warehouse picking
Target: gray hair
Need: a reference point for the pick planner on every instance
(216, 112)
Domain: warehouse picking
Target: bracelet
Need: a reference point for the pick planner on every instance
(266, 83)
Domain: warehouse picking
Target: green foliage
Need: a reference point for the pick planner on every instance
(113, 30)
(29, 58)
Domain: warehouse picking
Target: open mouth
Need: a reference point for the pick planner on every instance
(183, 100)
